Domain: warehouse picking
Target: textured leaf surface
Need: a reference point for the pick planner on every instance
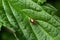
(17, 14)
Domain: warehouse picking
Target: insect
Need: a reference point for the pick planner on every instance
(32, 20)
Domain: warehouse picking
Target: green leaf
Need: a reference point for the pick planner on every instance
(18, 14)
(49, 8)
(0, 26)
(41, 1)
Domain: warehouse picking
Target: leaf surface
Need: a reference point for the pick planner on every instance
(19, 13)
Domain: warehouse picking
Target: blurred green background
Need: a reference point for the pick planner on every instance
(56, 4)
